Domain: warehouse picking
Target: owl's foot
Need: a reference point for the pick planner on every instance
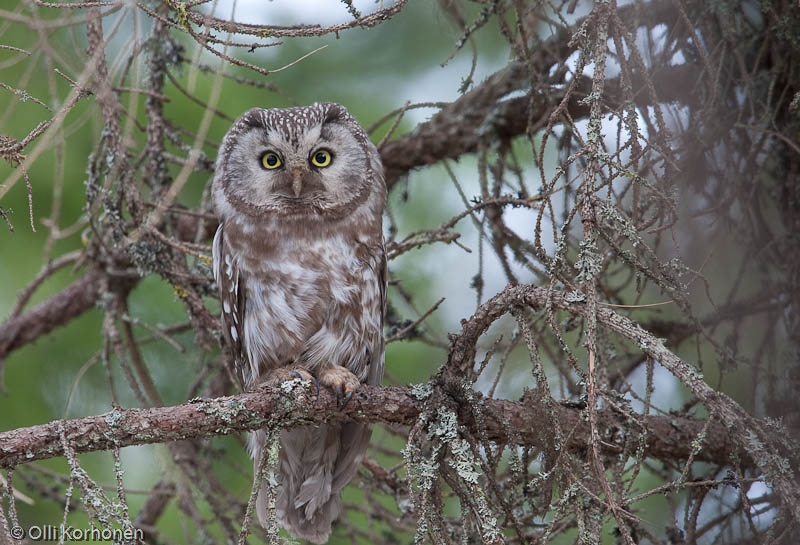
(341, 381)
(285, 375)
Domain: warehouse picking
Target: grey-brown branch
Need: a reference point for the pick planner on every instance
(667, 438)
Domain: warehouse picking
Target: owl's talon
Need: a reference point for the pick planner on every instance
(342, 381)
(307, 377)
(346, 400)
(286, 378)
(315, 387)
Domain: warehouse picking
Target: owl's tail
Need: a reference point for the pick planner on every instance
(315, 464)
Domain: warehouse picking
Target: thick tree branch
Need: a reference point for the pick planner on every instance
(760, 439)
(667, 438)
(482, 115)
(477, 118)
(60, 309)
(56, 311)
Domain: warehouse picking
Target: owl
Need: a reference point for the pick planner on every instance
(301, 269)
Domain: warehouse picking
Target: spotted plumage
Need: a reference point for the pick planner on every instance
(301, 270)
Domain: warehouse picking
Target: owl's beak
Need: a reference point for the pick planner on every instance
(297, 185)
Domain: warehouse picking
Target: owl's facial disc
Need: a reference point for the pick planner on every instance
(295, 162)
(292, 173)
(295, 181)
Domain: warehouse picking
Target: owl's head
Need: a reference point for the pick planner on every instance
(303, 161)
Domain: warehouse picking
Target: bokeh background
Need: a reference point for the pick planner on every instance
(428, 54)
(411, 58)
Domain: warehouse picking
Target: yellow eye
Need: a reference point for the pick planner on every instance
(321, 158)
(270, 160)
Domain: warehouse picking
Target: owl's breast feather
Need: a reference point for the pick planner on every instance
(314, 305)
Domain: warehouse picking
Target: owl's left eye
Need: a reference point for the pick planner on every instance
(321, 158)
(270, 160)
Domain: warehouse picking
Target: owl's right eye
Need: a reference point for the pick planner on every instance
(270, 160)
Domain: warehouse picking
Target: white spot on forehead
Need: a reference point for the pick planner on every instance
(293, 122)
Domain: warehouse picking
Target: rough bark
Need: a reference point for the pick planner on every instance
(667, 438)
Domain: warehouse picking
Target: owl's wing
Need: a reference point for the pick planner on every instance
(231, 297)
(383, 280)
(375, 371)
